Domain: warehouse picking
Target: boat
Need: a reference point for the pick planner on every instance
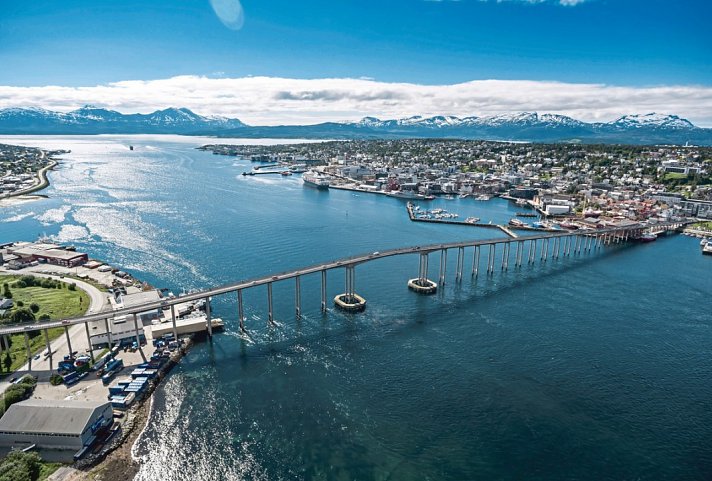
(472, 220)
(648, 237)
(538, 225)
(526, 214)
(517, 223)
(483, 197)
(463, 196)
(285, 173)
(130, 147)
(703, 242)
(707, 249)
(568, 225)
(521, 202)
(405, 194)
(316, 179)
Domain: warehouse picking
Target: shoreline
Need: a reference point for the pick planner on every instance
(24, 195)
(118, 462)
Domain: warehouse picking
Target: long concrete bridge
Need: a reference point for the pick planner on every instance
(550, 245)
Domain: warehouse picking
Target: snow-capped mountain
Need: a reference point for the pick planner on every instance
(652, 120)
(95, 120)
(526, 126)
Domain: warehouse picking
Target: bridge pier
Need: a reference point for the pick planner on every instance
(504, 256)
(173, 321)
(298, 296)
(555, 250)
(349, 300)
(29, 352)
(490, 258)
(421, 284)
(91, 351)
(270, 314)
(69, 341)
(108, 333)
(49, 348)
(518, 255)
(544, 249)
(443, 267)
(532, 251)
(460, 262)
(240, 310)
(323, 290)
(208, 316)
(476, 262)
(138, 339)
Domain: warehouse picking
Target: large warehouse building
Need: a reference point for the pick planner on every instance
(53, 424)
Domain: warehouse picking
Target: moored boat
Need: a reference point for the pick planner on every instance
(316, 179)
(517, 223)
(707, 249)
(648, 237)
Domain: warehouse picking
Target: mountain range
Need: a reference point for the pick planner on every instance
(528, 126)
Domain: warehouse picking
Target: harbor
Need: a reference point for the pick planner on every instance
(231, 406)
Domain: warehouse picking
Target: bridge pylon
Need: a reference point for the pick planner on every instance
(349, 300)
(421, 284)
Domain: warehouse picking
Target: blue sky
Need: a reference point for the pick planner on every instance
(621, 43)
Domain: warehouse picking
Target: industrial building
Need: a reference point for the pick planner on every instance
(54, 424)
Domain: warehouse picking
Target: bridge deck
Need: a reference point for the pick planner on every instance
(338, 263)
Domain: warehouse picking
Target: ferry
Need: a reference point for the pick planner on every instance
(316, 179)
(517, 223)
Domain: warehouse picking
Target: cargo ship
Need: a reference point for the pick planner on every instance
(316, 179)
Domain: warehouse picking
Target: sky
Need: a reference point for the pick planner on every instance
(306, 61)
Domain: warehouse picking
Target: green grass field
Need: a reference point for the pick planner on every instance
(57, 303)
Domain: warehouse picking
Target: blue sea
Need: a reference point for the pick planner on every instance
(593, 367)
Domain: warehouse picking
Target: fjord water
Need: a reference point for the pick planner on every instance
(593, 367)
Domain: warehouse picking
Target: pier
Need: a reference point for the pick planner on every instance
(497, 253)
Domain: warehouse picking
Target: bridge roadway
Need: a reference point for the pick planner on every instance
(338, 263)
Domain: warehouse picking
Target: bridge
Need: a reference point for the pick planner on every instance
(541, 246)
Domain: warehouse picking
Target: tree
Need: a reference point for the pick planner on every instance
(20, 466)
(72, 287)
(7, 362)
(6, 292)
(20, 304)
(34, 307)
(22, 315)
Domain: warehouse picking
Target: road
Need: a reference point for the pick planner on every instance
(98, 302)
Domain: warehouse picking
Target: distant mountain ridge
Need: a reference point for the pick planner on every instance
(93, 120)
(649, 128)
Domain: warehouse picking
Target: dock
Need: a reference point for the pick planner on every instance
(510, 232)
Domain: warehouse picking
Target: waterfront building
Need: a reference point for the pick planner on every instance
(54, 424)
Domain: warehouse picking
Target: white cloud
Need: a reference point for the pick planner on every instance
(274, 100)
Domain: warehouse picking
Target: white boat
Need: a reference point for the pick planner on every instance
(483, 197)
(405, 194)
(316, 179)
(703, 242)
(472, 220)
(707, 249)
